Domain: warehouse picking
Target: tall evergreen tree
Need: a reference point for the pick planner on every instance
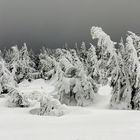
(111, 65)
(6, 78)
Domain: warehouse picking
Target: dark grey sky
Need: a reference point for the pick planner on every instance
(54, 22)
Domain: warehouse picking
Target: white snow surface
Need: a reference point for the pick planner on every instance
(96, 122)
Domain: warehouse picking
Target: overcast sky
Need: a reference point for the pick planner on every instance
(54, 22)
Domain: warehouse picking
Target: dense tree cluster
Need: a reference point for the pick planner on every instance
(121, 63)
(78, 72)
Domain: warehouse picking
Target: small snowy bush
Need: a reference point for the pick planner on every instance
(17, 99)
(49, 106)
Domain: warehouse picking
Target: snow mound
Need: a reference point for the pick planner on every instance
(102, 100)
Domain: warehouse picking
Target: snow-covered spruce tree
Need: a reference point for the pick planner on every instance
(8, 85)
(83, 52)
(130, 68)
(68, 61)
(121, 88)
(76, 62)
(47, 51)
(63, 64)
(110, 65)
(75, 87)
(26, 62)
(8, 56)
(67, 54)
(106, 54)
(6, 78)
(77, 49)
(46, 65)
(84, 89)
(76, 90)
(34, 58)
(133, 65)
(64, 58)
(105, 51)
(133, 51)
(21, 65)
(136, 42)
(92, 65)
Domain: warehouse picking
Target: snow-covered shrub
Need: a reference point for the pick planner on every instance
(49, 106)
(17, 99)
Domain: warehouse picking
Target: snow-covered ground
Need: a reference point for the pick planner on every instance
(90, 123)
